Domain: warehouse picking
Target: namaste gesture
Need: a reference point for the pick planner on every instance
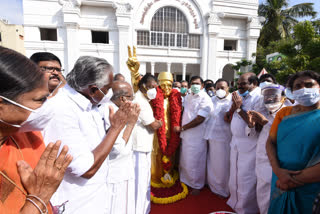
(133, 63)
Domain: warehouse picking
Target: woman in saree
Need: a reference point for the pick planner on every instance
(293, 148)
(29, 172)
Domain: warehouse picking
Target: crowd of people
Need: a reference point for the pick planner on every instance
(83, 143)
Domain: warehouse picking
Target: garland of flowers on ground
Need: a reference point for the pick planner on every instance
(167, 148)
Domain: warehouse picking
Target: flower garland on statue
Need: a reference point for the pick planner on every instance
(167, 148)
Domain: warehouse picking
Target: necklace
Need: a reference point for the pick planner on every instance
(5, 176)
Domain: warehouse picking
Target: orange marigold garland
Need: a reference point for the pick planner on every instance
(171, 189)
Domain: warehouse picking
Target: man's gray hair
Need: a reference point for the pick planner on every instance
(89, 70)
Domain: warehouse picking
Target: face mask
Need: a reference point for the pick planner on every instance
(264, 84)
(106, 98)
(152, 93)
(244, 94)
(307, 96)
(221, 93)
(195, 88)
(289, 94)
(38, 120)
(272, 107)
(178, 89)
(21, 106)
(183, 90)
(210, 93)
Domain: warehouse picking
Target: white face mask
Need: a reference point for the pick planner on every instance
(221, 93)
(264, 84)
(273, 107)
(307, 96)
(289, 94)
(106, 98)
(21, 106)
(152, 93)
(38, 120)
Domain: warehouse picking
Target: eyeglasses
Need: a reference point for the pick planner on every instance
(50, 69)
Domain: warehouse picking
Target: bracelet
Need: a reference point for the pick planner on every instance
(36, 205)
(41, 201)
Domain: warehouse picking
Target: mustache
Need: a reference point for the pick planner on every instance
(54, 76)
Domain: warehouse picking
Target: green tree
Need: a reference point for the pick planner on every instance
(280, 19)
(302, 51)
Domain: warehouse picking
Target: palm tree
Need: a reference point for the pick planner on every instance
(280, 19)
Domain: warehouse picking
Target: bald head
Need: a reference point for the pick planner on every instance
(122, 91)
(119, 77)
(247, 82)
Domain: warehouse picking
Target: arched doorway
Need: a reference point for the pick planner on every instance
(228, 73)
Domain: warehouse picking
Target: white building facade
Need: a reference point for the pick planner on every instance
(185, 37)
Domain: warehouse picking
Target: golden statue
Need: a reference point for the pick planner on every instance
(167, 108)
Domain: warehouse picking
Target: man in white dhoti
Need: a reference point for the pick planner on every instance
(193, 156)
(78, 124)
(242, 182)
(120, 178)
(219, 135)
(273, 102)
(143, 140)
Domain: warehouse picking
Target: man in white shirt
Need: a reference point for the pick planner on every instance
(197, 109)
(78, 124)
(219, 135)
(242, 182)
(143, 141)
(120, 179)
(272, 102)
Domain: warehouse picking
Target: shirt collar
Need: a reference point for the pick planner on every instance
(255, 91)
(83, 102)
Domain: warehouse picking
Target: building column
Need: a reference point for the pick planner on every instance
(253, 33)
(71, 19)
(214, 23)
(123, 15)
(152, 67)
(143, 68)
(169, 67)
(184, 71)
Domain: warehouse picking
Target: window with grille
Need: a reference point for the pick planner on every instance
(169, 27)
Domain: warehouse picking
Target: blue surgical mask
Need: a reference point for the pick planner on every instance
(210, 93)
(195, 88)
(307, 96)
(243, 94)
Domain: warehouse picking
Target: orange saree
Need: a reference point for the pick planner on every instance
(30, 147)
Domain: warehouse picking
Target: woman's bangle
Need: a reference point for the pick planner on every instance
(41, 201)
(36, 205)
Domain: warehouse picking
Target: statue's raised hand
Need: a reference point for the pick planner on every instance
(133, 63)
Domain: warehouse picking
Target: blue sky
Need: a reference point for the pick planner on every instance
(12, 11)
(316, 5)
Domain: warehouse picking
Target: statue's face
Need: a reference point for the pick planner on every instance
(166, 87)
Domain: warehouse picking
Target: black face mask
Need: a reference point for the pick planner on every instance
(210, 93)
